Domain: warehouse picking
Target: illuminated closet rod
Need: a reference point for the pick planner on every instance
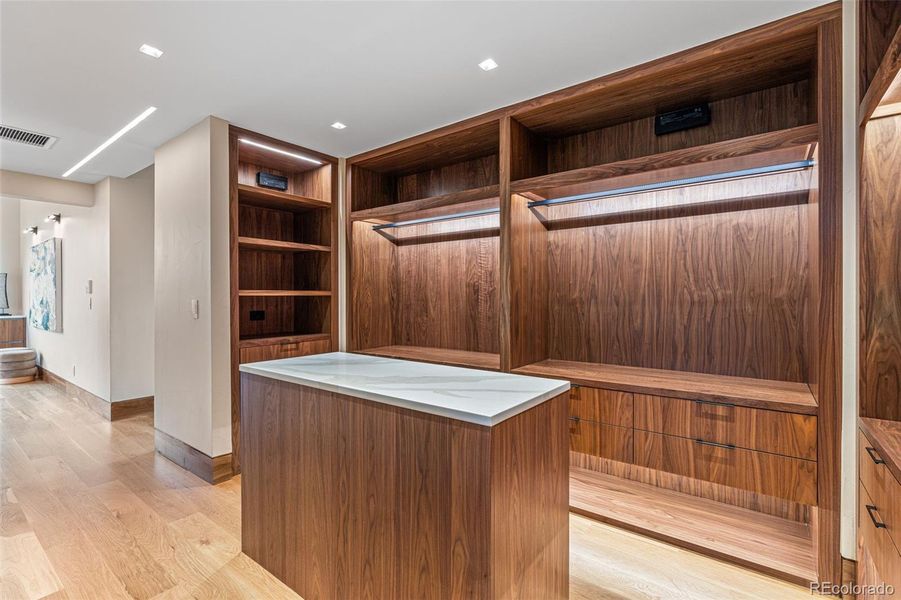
(677, 183)
(623, 191)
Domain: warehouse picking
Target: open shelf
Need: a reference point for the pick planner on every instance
(880, 60)
(759, 393)
(269, 340)
(279, 246)
(765, 149)
(443, 356)
(266, 198)
(281, 293)
(431, 206)
(761, 542)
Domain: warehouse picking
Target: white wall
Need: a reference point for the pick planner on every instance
(81, 352)
(850, 342)
(192, 365)
(131, 286)
(9, 252)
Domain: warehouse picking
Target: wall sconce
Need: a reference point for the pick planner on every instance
(33, 230)
(53, 218)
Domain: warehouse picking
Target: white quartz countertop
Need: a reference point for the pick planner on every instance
(481, 397)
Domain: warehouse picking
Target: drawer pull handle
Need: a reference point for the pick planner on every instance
(870, 510)
(714, 403)
(716, 444)
(875, 458)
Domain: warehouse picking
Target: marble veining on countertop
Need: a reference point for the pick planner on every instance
(472, 395)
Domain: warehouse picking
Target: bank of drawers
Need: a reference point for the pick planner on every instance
(768, 452)
(276, 351)
(879, 517)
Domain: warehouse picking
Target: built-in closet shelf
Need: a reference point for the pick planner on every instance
(885, 436)
(266, 198)
(761, 542)
(758, 393)
(883, 96)
(430, 206)
(253, 341)
(282, 293)
(279, 246)
(765, 149)
(443, 356)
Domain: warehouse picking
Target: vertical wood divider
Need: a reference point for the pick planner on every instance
(524, 261)
(827, 387)
(234, 302)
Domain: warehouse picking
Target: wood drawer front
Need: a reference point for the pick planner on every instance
(276, 351)
(788, 434)
(12, 332)
(883, 488)
(606, 441)
(601, 406)
(769, 474)
(878, 560)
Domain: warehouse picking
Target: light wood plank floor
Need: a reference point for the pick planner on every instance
(89, 510)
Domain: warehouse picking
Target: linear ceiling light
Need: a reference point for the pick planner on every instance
(108, 142)
(677, 183)
(280, 151)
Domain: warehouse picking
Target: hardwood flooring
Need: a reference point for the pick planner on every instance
(89, 510)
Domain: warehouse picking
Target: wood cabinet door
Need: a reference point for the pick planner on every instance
(597, 439)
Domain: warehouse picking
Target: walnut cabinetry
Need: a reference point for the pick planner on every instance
(12, 331)
(772, 453)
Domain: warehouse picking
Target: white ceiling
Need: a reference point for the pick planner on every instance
(387, 69)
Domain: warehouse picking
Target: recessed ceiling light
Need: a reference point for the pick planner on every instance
(338, 125)
(488, 64)
(115, 137)
(150, 50)
(280, 151)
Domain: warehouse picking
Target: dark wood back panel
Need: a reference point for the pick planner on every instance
(781, 107)
(880, 270)
(724, 293)
(877, 22)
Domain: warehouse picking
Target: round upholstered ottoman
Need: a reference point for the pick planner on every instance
(17, 365)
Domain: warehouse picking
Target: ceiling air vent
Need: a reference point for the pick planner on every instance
(22, 136)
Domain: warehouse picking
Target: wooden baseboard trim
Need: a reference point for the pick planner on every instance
(111, 411)
(211, 469)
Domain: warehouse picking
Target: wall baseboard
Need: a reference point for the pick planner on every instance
(111, 411)
(211, 469)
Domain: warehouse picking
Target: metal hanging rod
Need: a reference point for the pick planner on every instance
(674, 183)
(460, 215)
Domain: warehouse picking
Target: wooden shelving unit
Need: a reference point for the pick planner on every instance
(664, 288)
(283, 265)
(879, 392)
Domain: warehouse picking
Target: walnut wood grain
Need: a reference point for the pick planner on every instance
(880, 300)
(740, 536)
(441, 356)
(748, 499)
(794, 138)
(280, 246)
(598, 439)
(879, 562)
(285, 349)
(879, 52)
(282, 293)
(768, 474)
(601, 406)
(275, 199)
(392, 211)
(12, 332)
(885, 437)
(406, 505)
(772, 395)
(778, 432)
(877, 475)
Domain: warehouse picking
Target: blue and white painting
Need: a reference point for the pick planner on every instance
(45, 311)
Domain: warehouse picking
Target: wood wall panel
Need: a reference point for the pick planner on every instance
(373, 271)
(880, 270)
(474, 173)
(776, 108)
(446, 292)
(725, 294)
(877, 22)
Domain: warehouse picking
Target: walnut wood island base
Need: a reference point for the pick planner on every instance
(369, 477)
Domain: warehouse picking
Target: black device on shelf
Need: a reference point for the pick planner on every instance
(684, 118)
(275, 182)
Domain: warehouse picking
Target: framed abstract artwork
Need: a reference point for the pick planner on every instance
(45, 269)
